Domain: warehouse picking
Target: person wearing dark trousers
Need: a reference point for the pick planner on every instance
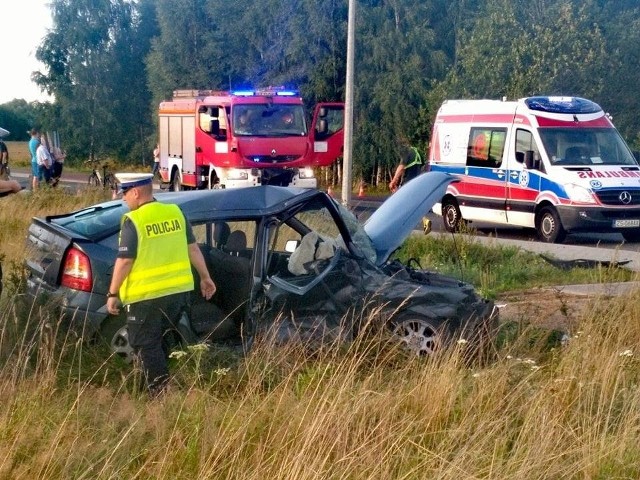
(152, 273)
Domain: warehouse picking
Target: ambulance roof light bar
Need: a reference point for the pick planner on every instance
(572, 105)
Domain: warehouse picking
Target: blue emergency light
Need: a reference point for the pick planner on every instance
(573, 105)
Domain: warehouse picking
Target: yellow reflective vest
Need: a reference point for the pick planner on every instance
(162, 264)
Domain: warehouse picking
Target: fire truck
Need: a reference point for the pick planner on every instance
(223, 139)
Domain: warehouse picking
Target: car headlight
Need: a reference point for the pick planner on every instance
(305, 173)
(237, 175)
(579, 194)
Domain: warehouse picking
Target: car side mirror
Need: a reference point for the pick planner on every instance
(530, 161)
(323, 127)
(215, 126)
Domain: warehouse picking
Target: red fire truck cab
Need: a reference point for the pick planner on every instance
(211, 139)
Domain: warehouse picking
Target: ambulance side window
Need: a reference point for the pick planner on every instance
(486, 147)
(526, 147)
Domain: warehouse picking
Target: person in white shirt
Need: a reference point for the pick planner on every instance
(45, 162)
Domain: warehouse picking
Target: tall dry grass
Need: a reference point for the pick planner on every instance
(360, 410)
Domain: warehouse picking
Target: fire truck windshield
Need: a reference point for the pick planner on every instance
(585, 146)
(264, 120)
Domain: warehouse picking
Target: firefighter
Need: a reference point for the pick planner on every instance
(152, 273)
(409, 167)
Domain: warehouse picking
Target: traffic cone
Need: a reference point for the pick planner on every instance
(361, 191)
(330, 191)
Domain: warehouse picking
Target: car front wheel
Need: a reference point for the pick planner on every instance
(549, 227)
(419, 336)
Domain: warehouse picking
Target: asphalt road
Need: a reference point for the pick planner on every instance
(601, 247)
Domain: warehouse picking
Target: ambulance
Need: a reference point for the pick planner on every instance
(556, 164)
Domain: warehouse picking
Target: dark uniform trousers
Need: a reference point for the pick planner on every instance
(147, 321)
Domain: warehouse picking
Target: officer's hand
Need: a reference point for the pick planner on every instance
(113, 305)
(207, 287)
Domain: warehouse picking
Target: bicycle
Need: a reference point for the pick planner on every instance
(106, 179)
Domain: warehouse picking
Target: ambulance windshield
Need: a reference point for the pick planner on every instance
(585, 146)
(268, 120)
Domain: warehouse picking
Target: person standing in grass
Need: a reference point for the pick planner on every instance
(409, 167)
(4, 161)
(44, 161)
(34, 143)
(152, 273)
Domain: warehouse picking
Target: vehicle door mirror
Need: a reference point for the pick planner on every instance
(291, 245)
(530, 162)
(636, 155)
(215, 127)
(323, 127)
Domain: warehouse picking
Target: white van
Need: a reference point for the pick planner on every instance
(556, 164)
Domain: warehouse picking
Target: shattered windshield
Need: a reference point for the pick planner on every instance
(585, 146)
(269, 120)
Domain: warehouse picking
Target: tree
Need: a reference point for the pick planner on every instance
(91, 69)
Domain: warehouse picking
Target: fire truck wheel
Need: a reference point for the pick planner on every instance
(176, 183)
(451, 215)
(549, 227)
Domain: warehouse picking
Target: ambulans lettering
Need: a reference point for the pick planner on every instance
(162, 228)
(614, 174)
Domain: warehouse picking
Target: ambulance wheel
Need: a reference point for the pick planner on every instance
(549, 227)
(176, 183)
(451, 216)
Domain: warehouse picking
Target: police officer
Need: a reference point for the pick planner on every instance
(409, 167)
(152, 272)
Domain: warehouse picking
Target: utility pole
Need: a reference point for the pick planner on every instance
(348, 107)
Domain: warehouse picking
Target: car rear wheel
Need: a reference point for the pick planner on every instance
(421, 337)
(549, 227)
(451, 216)
(116, 336)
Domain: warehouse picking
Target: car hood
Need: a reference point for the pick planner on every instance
(399, 215)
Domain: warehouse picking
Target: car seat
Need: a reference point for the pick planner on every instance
(231, 272)
(236, 243)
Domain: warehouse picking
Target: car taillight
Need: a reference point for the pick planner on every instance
(76, 271)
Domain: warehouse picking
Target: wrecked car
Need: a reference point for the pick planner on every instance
(295, 257)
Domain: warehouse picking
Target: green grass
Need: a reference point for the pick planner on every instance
(361, 410)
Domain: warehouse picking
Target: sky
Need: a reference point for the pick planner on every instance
(24, 24)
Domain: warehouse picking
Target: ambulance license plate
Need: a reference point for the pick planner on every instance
(626, 223)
